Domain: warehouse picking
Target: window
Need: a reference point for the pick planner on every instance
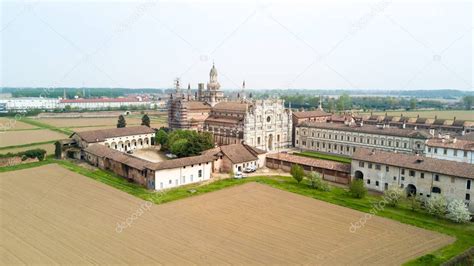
(445, 151)
(387, 168)
(377, 183)
(468, 196)
(258, 141)
(429, 149)
(368, 181)
(397, 144)
(436, 177)
(394, 178)
(403, 171)
(465, 153)
(455, 153)
(268, 119)
(170, 182)
(382, 142)
(370, 165)
(405, 145)
(435, 150)
(386, 186)
(422, 175)
(361, 164)
(378, 167)
(403, 178)
(436, 190)
(389, 143)
(200, 173)
(468, 184)
(412, 173)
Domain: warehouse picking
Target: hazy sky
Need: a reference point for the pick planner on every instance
(379, 44)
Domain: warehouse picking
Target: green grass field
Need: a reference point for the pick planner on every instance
(464, 233)
(324, 156)
(442, 114)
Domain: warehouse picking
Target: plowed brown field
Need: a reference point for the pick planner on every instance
(12, 138)
(51, 215)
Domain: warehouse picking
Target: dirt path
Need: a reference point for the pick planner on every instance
(51, 215)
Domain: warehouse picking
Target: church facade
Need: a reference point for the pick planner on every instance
(264, 124)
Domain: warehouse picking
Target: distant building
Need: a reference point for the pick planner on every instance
(264, 124)
(418, 175)
(236, 158)
(105, 103)
(345, 139)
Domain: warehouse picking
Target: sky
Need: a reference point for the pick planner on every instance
(370, 44)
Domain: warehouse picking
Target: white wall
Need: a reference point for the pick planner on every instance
(438, 153)
(130, 139)
(175, 177)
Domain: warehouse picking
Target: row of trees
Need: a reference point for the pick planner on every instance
(345, 102)
(315, 180)
(184, 143)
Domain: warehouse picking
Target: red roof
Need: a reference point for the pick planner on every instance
(103, 100)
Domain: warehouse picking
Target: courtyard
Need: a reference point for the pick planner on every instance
(53, 215)
(150, 154)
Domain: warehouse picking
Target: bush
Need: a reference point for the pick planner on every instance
(393, 196)
(436, 206)
(317, 182)
(357, 189)
(34, 153)
(415, 202)
(457, 212)
(297, 172)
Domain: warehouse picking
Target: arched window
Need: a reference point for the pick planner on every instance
(436, 190)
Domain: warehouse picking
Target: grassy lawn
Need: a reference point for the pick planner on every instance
(27, 145)
(324, 156)
(339, 196)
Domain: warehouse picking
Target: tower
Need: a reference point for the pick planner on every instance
(320, 107)
(242, 92)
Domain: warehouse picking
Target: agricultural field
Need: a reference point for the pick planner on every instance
(15, 138)
(247, 224)
(12, 124)
(442, 114)
(83, 124)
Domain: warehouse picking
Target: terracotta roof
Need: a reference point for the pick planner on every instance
(225, 120)
(181, 162)
(237, 153)
(231, 106)
(459, 144)
(324, 164)
(308, 114)
(195, 105)
(106, 152)
(104, 100)
(102, 134)
(445, 167)
(390, 131)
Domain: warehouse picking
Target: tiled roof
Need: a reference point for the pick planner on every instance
(390, 131)
(181, 162)
(308, 114)
(224, 120)
(231, 106)
(106, 152)
(445, 167)
(459, 144)
(103, 100)
(325, 164)
(237, 153)
(195, 105)
(102, 134)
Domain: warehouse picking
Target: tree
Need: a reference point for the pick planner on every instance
(331, 105)
(196, 142)
(393, 195)
(162, 138)
(179, 148)
(468, 102)
(297, 172)
(436, 205)
(344, 102)
(121, 122)
(412, 104)
(145, 120)
(458, 212)
(357, 189)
